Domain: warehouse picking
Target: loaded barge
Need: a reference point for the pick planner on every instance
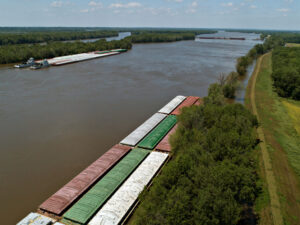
(63, 60)
(107, 191)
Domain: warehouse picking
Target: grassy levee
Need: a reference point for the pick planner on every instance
(278, 119)
(292, 45)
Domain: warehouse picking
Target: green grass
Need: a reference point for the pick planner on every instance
(282, 142)
(276, 119)
(292, 45)
(293, 108)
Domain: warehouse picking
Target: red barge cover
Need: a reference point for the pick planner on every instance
(164, 144)
(65, 196)
(191, 100)
(199, 102)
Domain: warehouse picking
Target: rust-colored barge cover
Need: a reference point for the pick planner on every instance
(191, 100)
(199, 102)
(65, 196)
(164, 144)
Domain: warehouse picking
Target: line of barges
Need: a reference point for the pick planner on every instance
(107, 191)
(68, 59)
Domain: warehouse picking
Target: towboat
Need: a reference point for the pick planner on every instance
(40, 65)
(30, 62)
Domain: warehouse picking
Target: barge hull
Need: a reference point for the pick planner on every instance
(191, 100)
(122, 201)
(64, 197)
(139, 133)
(164, 144)
(84, 209)
(168, 108)
(153, 138)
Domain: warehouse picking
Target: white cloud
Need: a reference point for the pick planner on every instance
(289, 1)
(57, 4)
(192, 8)
(158, 11)
(194, 4)
(128, 5)
(253, 6)
(95, 4)
(283, 10)
(178, 1)
(229, 4)
(84, 10)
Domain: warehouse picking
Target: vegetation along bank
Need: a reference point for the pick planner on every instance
(212, 177)
(21, 52)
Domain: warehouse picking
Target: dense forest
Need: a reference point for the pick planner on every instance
(211, 178)
(146, 37)
(287, 37)
(286, 72)
(19, 53)
(40, 37)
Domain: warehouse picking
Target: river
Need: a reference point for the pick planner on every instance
(56, 121)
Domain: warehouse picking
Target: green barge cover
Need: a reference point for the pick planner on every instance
(154, 137)
(102, 52)
(119, 50)
(82, 211)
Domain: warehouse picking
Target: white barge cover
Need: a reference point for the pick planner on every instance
(77, 58)
(35, 219)
(139, 133)
(121, 202)
(168, 108)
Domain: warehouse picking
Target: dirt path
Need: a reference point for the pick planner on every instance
(275, 204)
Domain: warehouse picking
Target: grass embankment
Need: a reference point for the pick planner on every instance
(277, 117)
(291, 45)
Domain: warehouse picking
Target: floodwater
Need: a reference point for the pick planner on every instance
(56, 121)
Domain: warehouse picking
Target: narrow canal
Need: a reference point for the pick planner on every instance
(56, 121)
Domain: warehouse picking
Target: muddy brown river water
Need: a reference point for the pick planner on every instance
(54, 122)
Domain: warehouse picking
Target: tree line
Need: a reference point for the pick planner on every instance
(161, 37)
(211, 178)
(166, 35)
(19, 53)
(40, 37)
(287, 37)
(230, 82)
(286, 72)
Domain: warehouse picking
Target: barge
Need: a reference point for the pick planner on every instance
(107, 191)
(68, 59)
(223, 38)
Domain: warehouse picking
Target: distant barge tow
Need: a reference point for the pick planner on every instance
(222, 38)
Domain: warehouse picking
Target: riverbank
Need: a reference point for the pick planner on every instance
(279, 150)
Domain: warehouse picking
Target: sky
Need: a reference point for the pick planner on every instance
(247, 14)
